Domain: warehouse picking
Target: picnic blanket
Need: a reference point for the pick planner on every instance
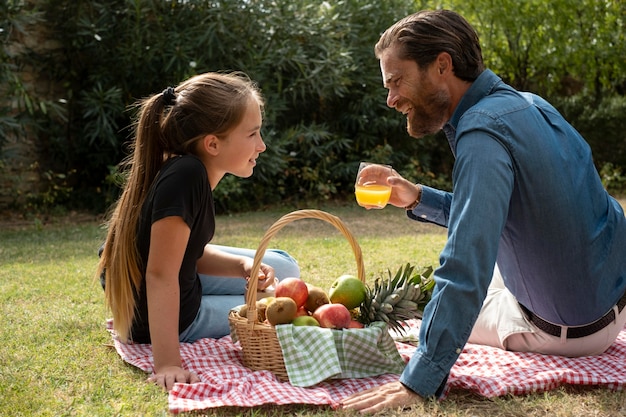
(484, 370)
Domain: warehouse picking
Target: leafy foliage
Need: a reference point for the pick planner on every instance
(314, 62)
(559, 47)
(21, 109)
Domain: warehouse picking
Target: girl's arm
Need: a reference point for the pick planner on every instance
(219, 263)
(168, 241)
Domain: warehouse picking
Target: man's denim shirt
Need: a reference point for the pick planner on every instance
(527, 196)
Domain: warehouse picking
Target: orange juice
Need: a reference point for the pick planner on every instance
(372, 195)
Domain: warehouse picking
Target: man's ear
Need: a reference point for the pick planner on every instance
(211, 145)
(443, 62)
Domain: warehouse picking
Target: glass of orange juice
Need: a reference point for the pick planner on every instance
(371, 188)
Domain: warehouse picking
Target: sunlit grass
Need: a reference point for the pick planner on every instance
(55, 354)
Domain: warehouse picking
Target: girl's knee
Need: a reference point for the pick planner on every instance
(284, 264)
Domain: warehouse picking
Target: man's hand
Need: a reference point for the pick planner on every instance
(392, 395)
(403, 192)
(170, 375)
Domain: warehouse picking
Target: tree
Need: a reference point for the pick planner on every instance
(314, 61)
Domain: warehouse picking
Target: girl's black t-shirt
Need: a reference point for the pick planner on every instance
(180, 189)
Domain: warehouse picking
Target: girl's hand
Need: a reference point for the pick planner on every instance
(266, 274)
(170, 375)
(266, 277)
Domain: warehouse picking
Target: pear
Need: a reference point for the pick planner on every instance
(261, 306)
(305, 321)
(317, 297)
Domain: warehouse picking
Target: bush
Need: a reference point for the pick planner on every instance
(613, 179)
(314, 62)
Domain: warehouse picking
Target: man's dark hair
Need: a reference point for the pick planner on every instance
(422, 36)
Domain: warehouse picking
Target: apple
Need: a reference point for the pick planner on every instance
(355, 325)
(302, 312)
(293, 288)
(333, 316)
(347, 290)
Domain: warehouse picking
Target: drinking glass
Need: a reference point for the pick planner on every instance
(371, 188)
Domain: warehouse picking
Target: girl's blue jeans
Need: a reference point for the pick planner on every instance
(221, 294)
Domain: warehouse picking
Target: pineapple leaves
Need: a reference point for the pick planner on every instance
(397, 297)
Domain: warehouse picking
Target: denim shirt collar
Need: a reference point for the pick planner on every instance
(481, 87)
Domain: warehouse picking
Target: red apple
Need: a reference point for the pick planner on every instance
(293, 288)
(355, 325)
(302, 312)
(333, 316)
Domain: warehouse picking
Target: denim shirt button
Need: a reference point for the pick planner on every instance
(458, 351)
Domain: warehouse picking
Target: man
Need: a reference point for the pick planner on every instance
(535, 258)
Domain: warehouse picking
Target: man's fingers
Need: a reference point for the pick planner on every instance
(388, 396)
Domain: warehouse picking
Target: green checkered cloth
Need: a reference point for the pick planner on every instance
(313, 354)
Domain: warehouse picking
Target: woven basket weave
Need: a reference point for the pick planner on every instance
(259, 343)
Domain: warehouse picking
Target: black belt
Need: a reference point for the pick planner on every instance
(578, 331)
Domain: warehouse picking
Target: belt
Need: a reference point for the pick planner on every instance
(578, 331)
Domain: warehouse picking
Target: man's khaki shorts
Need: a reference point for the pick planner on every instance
(502, 323)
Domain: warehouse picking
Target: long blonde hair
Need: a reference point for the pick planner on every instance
(168, 123)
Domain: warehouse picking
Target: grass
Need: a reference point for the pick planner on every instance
(55, 354)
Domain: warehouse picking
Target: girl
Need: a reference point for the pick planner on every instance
(164, 283)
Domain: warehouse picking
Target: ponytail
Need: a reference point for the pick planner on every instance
(120, 258)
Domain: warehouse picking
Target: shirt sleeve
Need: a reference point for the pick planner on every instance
(180, 191)
(483, 178)
(434, 207)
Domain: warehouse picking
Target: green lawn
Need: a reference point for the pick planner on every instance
(55, 354)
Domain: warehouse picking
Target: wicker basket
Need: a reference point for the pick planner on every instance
(259, 343)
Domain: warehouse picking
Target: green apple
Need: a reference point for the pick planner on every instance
(305, 321)
(347, 290)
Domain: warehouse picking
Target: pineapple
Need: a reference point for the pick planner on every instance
(397, 298)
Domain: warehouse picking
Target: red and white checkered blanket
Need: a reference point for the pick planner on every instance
(487, 371)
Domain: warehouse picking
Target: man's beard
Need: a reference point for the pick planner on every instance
(428, 119)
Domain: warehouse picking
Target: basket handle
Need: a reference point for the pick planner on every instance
(279, 224)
